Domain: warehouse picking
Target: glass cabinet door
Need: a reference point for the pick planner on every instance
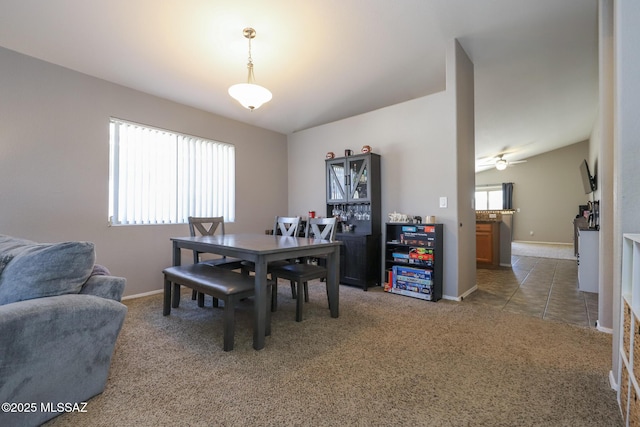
(336, 182)
(359, 180)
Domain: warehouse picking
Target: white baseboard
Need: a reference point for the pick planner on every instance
(612, 381)
(603, 329)
(461, 297)
(543, 243)
(144, 294)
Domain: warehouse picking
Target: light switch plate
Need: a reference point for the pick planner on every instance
(443, 202)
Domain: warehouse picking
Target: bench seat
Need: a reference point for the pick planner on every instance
(217, 282)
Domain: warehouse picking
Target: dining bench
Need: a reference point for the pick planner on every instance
(225, 285)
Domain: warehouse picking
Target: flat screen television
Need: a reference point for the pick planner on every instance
(588, 181)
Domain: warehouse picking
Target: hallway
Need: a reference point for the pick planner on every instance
(540, 287)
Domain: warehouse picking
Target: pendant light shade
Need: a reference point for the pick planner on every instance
(249, 94)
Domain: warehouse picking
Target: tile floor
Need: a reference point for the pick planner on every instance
(541, 287)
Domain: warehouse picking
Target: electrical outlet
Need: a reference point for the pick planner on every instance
(443, 202)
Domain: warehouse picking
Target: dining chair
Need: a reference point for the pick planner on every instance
(207, 226)
(299, 274)
(285, 226)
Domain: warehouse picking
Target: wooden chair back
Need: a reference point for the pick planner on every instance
(206, 226)
(321, 228)
(286, 225)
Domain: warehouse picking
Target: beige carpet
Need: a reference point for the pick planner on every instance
(543, 250)
(387, 360)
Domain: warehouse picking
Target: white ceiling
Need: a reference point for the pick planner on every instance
(536, 61)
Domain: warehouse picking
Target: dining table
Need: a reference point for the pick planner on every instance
(261, 249)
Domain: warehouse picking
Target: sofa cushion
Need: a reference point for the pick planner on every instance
(35, 270)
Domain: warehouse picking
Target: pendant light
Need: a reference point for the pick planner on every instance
(249, 94)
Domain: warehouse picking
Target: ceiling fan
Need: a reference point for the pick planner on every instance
(499, 161)
(502, 163)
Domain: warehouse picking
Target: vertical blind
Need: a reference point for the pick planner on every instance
(162, 177)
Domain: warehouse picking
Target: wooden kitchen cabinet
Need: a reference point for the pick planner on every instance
(488, 243)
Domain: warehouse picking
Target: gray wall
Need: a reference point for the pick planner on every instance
(54, 164)
(417, 141)
(601, 153)
(627, 148)
(460, 80)
(548, 190)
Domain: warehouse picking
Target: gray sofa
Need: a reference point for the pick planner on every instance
(60, 316)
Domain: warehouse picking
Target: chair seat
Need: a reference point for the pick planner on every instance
(298, 275)
(250, 266)
(299, 272)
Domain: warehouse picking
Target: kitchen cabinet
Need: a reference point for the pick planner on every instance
(488, 243)
(353, 196)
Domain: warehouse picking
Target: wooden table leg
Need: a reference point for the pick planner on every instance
(260, 304)
(333, 281)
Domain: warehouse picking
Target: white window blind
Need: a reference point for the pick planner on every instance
(489, 197)
(162, 177)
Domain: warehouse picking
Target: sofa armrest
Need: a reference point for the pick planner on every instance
(110, 287)
(56, 349)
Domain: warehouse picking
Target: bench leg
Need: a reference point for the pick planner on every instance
(229, 322)
(200, 299)
(166, 310)
(176, 295)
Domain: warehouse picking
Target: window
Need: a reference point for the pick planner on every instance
(489, 198)
(162, 177)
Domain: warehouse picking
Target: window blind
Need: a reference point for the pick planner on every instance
(163, 177)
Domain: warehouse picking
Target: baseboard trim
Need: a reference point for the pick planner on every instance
(612, 381)
(603, 329)
(543, 243)
(144, 294)
(461, 297)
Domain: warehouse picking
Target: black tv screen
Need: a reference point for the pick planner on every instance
(588, 182)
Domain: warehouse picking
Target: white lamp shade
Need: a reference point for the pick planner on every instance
(250, 95)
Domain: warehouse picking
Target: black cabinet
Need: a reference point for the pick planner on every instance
(414, 259)
(359, 259)
(353, 196)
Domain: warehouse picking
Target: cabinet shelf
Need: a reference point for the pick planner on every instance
(629, 344)
(413, 260)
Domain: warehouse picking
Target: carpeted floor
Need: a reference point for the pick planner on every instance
(543, 250)
(387, 360)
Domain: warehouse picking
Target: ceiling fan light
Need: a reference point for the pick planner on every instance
(250, 95)
(501, 164)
